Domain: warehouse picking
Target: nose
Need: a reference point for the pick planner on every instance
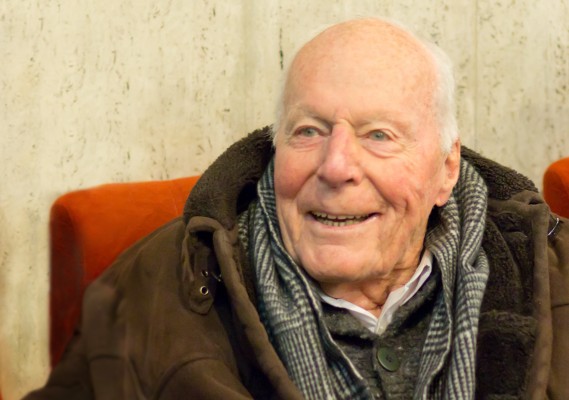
(340, 163)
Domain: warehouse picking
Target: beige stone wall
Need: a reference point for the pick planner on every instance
(111, 91)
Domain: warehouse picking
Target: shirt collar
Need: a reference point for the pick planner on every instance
(395, 299)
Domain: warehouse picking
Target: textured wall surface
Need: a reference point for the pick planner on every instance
(112, 91)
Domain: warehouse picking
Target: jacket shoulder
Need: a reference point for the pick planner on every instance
(503, 182)
(148, 253)
(558, 255)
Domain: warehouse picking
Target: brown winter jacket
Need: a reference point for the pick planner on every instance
(174, 317)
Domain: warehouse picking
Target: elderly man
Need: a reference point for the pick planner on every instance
(363, 258)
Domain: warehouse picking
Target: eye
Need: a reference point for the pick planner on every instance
(307, 131)
(378, 136)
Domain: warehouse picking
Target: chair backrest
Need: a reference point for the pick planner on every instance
(89, 228)
(556, 187)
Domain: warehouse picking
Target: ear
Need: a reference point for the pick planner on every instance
(451, 170)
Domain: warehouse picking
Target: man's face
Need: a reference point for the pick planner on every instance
(358, 165)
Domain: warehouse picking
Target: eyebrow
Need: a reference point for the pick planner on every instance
(395, 119)
(302, 112)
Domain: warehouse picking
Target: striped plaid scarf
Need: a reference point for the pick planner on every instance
(292, 313)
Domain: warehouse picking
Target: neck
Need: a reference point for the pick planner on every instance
(370, 295)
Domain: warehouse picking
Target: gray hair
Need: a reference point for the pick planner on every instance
(444, 95)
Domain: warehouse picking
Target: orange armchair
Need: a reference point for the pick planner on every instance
(556, 187)
(89, 229)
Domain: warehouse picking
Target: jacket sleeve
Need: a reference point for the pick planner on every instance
(69, 379)
(92, 366)
(558, 387)
(206, 379)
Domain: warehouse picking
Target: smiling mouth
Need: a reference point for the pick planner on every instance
(339, 220)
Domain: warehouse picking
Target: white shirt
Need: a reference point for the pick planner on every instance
(395, 299)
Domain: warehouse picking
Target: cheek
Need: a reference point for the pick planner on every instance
(289, 175)
(400, 185)
(408, 187)
(284, 182)
(288, 184)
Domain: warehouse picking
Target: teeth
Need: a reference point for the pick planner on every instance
(339, 220)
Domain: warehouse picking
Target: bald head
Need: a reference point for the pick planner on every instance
(361, 44)
(374, 54)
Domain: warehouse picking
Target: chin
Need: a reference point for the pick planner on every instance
(337, 270)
